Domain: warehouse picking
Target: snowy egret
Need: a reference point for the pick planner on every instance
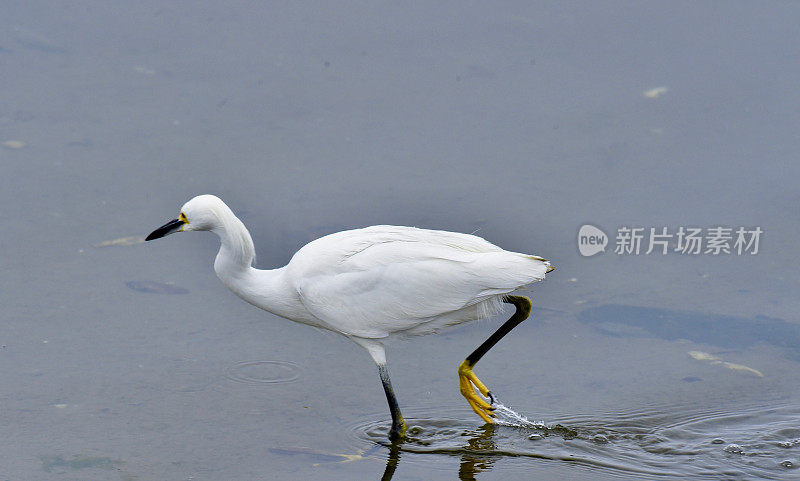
(372, 283)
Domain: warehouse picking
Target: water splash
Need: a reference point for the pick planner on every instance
(651, 443)
(508, 417)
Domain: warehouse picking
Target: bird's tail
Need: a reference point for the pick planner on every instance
(550, 267)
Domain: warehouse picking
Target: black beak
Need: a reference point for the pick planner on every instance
(166, 229)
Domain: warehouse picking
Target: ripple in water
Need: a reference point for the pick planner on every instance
(759, 443)
(261, 372)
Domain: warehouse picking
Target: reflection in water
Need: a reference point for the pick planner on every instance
(391, 460)
(759, 443)
(474, 461)
(476, 457)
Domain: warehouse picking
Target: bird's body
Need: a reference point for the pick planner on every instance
(371, 283)
(341, 281)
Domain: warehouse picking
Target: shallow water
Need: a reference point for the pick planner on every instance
(129, 360)
(641, 445)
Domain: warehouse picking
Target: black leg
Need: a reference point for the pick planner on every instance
(398, 430)
(523, 305)
(468, 379)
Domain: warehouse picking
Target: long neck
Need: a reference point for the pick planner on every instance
(266, 289)
(236, 253)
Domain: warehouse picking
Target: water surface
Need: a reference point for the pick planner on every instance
(521, 122)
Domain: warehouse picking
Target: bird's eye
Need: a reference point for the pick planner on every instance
(183, 218)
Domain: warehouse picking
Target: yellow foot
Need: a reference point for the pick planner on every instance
(468, 382)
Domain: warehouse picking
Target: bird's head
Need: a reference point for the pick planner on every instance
(200, 213)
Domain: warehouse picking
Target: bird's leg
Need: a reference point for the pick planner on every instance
(467, 379)
(378, 353)
(398, 430)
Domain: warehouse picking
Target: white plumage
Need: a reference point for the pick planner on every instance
(369, 283)
(384, 280)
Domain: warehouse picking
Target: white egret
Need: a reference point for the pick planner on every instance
(372, 283)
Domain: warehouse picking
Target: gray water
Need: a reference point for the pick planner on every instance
(520, 121)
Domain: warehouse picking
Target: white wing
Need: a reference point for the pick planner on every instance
(385, 279)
